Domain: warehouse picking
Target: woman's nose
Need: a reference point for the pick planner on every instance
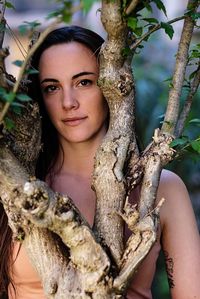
(69, 100)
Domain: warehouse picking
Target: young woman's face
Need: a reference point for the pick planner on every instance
(74, 102)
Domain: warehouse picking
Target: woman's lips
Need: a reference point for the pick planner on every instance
(73, 121)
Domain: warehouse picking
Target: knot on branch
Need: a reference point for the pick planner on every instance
(116, 85)
(36, 200)
(65, 211)
(161, 146)
(131, 215)
(125, 84)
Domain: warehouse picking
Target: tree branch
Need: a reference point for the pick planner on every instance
(172, 111)
(29, 203)
(2, 21)
(142, 221)
(187, 105)
(132, 6)
(117, 85)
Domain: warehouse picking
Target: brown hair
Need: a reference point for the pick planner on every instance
(5, 253)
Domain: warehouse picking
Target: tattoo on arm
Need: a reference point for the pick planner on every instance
(169, 269)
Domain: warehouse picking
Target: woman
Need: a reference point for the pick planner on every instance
(75, 115)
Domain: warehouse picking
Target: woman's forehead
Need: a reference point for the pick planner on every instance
(71, 57)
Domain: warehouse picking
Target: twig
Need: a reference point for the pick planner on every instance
(23, 67)
(132, 6)
(2, 20)
(186, 108)
(155, 28)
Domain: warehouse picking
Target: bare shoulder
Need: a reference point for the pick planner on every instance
(171, 185)
(169, 178)
(176, 196)
(180, 237)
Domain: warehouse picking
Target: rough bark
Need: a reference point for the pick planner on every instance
(117, 85)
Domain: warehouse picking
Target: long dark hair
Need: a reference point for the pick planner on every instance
(5, 252)
(50, 143)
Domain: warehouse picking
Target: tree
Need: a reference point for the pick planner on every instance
(97, 260)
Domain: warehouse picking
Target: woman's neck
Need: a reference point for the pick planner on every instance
(78, 159)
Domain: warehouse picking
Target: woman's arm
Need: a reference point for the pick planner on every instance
(180, 238)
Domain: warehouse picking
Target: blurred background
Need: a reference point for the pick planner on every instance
(151, 68)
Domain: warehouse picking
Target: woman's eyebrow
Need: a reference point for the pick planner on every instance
(48, 80)
(73, 77)
(82, 74)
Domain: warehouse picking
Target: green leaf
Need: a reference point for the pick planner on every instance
(195, 53)
(53, 14)
(178, 141)
(2, 92)
(28, 26)
(132, 23)
(32, 71)
(194, 15)
(126, 51)
(23, 29)
(196, 145)
(160, 6)
(23, 97)
(195, 121)
(87, 4)
(32, 25)
(66, 17)
(65, 12)
(168, 79)
(18, 62)
(138, 31)
(2, 28)
(9, 5)
(9, 124)
(148, 6)
(151, 20)
(9, 97)
(16, 105)
(168, 29)
(16, 108)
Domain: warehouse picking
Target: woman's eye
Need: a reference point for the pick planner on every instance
(50, 89)
(85, 82)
